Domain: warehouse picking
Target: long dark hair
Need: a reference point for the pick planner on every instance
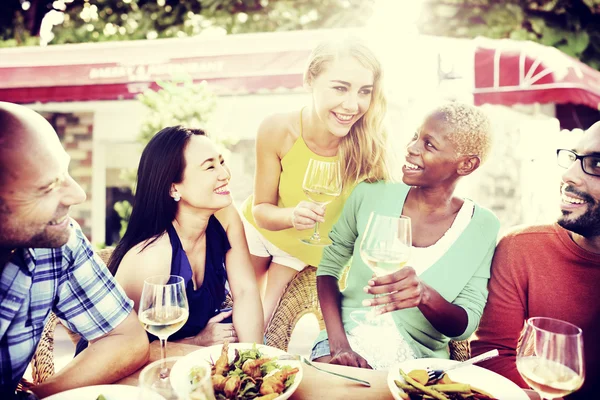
(161, 165)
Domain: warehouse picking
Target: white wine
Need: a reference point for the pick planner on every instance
(319, 196)
(164, 321)
(549, 378)
(385, 262)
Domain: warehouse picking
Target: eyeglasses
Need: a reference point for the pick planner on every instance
(590, 164)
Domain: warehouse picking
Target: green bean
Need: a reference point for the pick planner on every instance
(433, 393)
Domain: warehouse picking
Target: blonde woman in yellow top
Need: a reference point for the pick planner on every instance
(343, 122)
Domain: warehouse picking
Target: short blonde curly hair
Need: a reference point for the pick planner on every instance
(469, 128)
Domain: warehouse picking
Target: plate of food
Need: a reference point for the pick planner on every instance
(409, 381)
(242, 371)
(105, 392)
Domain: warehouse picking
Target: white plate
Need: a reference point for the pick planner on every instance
(180, 373)
(484, 379)
(110, 392)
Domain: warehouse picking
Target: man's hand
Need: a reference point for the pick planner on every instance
(401, 289)
(347, 356)
(216, 332)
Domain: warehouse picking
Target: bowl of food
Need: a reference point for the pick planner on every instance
(242, 371)
(409, 380)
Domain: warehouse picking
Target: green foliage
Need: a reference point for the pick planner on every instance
(123, 209)
(573, 26)
(109, 20)
(179, 102)
(13, 30)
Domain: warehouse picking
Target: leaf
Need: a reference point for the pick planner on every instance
(269, 367)
(538, 25)
(578, 42)
(520, 34)
(290, 381)
(551, 36)
(251, 354)
(565, 48)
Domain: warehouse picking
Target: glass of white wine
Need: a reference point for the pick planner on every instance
(385, 248)
(202, 388)
(322, 184)
(550, 357)
(163, 311)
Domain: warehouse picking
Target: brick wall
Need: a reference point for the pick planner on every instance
(75, 132)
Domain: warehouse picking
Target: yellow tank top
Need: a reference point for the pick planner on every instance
(293, 166)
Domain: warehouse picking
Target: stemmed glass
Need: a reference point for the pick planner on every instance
(322, 184)
(385, 248)
(550, 357)
(202, 387)
(163, 311)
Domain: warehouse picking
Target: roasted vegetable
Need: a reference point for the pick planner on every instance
(250, 376)
(442, 389)
(276, 383)
(218, 382)
(252, 367)
(222, 363)
(419, 375)
(232, 386)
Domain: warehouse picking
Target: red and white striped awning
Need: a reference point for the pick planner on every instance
(509, 72)
(235, 64)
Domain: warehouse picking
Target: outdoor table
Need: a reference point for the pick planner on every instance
(314, 385)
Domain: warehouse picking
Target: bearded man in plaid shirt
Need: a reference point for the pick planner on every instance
(47, 265)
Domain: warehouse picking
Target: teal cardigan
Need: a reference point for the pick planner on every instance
(460, 275)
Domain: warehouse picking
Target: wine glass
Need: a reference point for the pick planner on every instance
(385, 248)
(201, 387)
(163, 311)
(322, 184)
(550, 357)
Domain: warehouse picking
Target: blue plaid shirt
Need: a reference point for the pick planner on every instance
(71, 281)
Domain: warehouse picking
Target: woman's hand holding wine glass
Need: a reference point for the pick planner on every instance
(385, 248)
(550, 357)
(396, 291)
(306, 214)
(322, 184)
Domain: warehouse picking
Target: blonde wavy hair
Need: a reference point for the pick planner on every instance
(362, 152)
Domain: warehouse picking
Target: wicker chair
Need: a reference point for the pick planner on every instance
(105, 254)
(300, 298)
(459, 350)
(42, 363)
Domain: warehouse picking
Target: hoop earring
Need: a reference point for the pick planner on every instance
(176, 196)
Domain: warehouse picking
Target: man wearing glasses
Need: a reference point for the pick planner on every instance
(551, 271)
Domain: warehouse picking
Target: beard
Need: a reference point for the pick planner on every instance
(586, 225)
(41, 240)
(13, 235)
(46, 240)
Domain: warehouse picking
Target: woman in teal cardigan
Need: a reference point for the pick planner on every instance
(442, 293)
